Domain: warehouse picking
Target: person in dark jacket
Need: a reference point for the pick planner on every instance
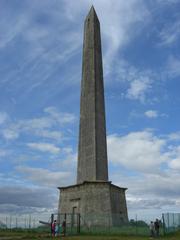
(156, 227)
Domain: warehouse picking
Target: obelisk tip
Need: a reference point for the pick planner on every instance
(92, 12)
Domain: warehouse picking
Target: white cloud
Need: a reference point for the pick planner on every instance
(141, 151)
(150, 194)
(18, 199)
(56, 135)
(3, 117)
(150, 203)
(167, 1)
(118, 21)
(138, 81)
(46, 177)
(3, 153)
(118, 18)
(70, 160)
(8, 33)
(44, 147)
(156, 162)
(175, 163)
(151, 114)
(25, 196)
(150, 185)
(61, 118)
(154, 114)
(170, 33)
(11, 133)
(42, 213)
(42, 126)
(138, 89)
(173, 67)
(36, 123)
(33, 23)
(174, 136)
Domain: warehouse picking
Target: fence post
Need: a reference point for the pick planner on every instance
(10, 221)
(25, 223)
(109, 221)
(6, 223)
(52, 218)
(168, 221)
(58, 218)
(78, 223)
(164, 227)
(34, 223)
(65, 224)
(29, 221)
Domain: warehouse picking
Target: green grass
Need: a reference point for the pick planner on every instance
(29, 235)
(123, 230)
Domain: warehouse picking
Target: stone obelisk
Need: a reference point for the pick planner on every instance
(97, 200)
(92, 154)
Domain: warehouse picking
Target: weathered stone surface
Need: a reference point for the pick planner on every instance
(92, 153)
(100, 203)
(118, 205)
(97, 200)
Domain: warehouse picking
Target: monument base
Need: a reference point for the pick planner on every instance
(98, 203)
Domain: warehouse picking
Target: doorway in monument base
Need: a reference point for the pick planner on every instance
(74, 214)
(74, 211)
(75, 204)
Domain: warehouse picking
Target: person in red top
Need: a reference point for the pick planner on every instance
(53, 227)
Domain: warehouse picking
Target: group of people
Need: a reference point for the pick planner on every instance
(57, 228)
(154, 228)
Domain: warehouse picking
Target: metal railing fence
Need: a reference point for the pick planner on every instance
(171, 222)
(94, 224)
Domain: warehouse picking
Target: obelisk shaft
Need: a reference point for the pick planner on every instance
(92, 152)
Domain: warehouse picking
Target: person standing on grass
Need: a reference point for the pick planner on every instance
(56, 230)
(151, 228)
(156, 226)
(53, 228)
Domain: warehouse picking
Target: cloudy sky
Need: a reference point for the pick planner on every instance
(40, 74)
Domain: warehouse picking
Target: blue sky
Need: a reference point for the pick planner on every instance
(40, 74)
